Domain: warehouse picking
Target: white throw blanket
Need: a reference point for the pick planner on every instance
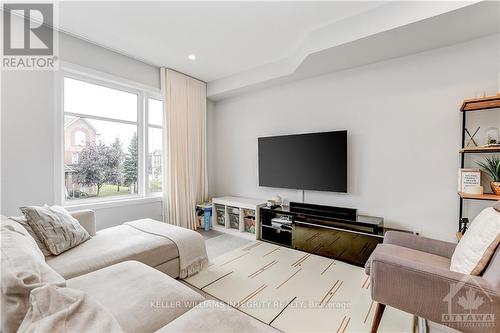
(190, 244)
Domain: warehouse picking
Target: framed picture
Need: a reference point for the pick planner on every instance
(468, 178)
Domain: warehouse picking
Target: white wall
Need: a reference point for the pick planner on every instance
(211, 148)
(28, 131)
(403, 124)
(108, 217)
(86, 54)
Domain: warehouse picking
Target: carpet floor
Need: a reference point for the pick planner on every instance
(219, 243)
(294, 291)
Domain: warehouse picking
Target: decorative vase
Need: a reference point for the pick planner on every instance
(495, 187)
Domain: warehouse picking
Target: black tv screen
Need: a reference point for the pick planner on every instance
(314, 161)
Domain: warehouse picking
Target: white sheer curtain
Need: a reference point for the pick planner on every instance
(185, 146)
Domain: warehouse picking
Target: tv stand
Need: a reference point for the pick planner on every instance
(334, 232)
(327, 211)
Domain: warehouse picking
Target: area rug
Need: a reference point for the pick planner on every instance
(294, 291)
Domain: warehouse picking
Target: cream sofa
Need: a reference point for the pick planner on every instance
(114, 245)
(128, 281)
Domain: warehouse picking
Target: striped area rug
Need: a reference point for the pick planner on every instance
(295, 291)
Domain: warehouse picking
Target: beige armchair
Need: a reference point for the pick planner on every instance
(411, 273)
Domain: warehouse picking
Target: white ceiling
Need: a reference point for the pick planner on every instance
(242, 46)
(226, 37)
(390, 31)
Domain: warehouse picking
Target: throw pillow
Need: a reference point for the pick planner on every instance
(478, 244)
(54, 309)
(10, 225)
(23, 269)
(55, 226)
(22, 221)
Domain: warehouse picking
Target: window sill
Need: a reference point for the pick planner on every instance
(112, 203)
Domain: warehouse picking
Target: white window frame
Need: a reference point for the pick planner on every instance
(76, 140)
(110, 81)
(146, 141)
(75, 157)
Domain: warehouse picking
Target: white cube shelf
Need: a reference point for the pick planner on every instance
(240, 203)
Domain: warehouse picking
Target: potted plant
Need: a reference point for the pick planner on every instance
(491, 166)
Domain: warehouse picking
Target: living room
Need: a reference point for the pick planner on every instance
(250, 166)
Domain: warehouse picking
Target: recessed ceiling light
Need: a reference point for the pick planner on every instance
(191, 57)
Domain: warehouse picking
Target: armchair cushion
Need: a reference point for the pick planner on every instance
(478, 244)
(420, 243)
(404, 254)
(492, 272)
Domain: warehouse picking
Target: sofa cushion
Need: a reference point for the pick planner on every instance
(23, 269)
(55, 227)
(86, 217)
(111, 246)
(54, 309)
(478, 244)
(214, 317)
(139, 297)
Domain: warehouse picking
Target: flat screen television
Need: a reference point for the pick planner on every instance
(313, 161)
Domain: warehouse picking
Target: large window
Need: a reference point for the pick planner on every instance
(104, 131)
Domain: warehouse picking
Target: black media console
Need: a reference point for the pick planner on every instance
(334, 232)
